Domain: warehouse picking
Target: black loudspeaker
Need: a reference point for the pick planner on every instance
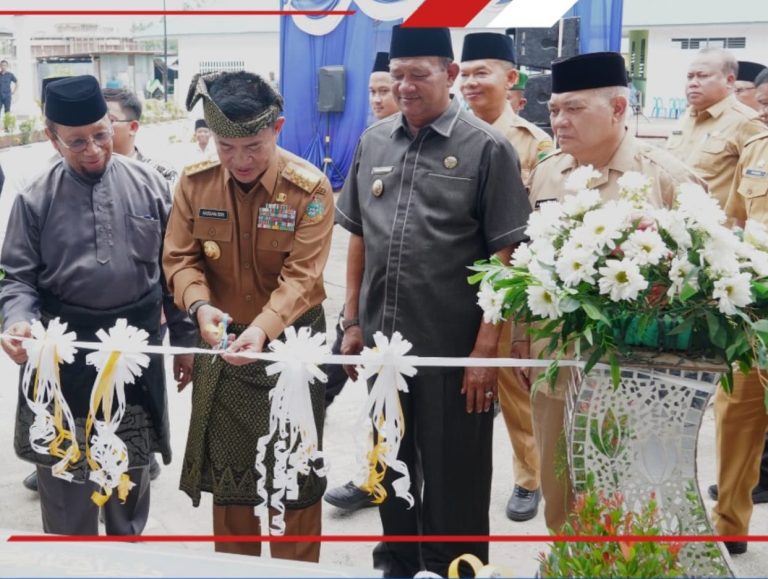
(537, 47)
(331, 89)
(537, 93)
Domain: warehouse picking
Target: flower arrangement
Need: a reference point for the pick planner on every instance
(606, 277)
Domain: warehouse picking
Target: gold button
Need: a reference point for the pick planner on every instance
(274, 243)
(212, 231)
(248, 297)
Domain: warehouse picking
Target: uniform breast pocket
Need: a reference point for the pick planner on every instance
(215, 237)
(455, 194)
(713, 146)
(272, 247)
(144, 237)
(752, 188)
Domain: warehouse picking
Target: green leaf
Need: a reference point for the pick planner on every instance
(760, 326)
(476, 278)
(593, 359)
(687, 292)
(683, 327)
(594, 313)
(588, 335)
(615, 370)
(569, 305)
(760, 289)
(718, 332)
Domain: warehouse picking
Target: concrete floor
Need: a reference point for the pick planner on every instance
(172, 512)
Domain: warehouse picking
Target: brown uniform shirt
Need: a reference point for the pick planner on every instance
(749, 193)
(531, 143)
(548, 179)
(267, 247)
(711, 141)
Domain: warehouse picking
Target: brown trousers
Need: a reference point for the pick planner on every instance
(240, 520)
(740, 426)
(549, 429)
(516, 408)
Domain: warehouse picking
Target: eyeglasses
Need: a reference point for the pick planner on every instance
(100, 139)
(113, 121)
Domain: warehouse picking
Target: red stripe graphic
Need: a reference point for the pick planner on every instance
(377, 538)
(436, 13)
(176, 12)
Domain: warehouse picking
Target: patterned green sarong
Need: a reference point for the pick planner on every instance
(230, 411)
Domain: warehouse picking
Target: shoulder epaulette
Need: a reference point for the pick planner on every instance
(201, 166)
(756, 138)
(302, 177)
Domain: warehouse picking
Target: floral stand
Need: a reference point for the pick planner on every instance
(640, 438)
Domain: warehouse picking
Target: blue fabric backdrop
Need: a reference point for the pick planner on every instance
(600, 26)
(352, 44)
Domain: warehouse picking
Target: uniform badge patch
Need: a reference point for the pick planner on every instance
(213, 213)
(450, 162)
(314, 211)
(755, 172)
(281, 198)
(277, 216)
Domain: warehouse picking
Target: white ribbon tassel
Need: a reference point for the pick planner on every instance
(384, 414)
(120, 364)
(292, 421)
(53, 425)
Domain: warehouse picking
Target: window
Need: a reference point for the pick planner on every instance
(714, 41)
(221, 66)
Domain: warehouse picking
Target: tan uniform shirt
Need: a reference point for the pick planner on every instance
(711, 141)
(257, 255)
(531, 143)
(749, 193)
(666, 172)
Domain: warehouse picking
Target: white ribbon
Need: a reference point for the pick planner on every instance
(118, 364)
(44, 354)
(384, 414)
(292, 422)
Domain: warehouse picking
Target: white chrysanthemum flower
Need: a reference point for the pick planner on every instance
(581, 177)
(521, 256)
(601, 227)
(543, 251)
(621, 280)
(576, 266)
(673, 223)
(545, 222)
(645, 246)
(732, 292)
(543, 302)
(491, 302)
(721, 251)
(542, 273)
(756, 234)
(681, 272)
(583, 201)
(699, 206)
(758, 261)
(633, 181)
(634, 188)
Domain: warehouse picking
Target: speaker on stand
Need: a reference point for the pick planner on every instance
(331, 98)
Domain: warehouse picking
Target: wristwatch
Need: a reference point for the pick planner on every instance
(346, 324)
(192, 311)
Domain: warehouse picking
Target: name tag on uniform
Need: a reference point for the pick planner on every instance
(755, 173)
(541, 202)
(381, 170)
(213, 213)
(277, 217)
(677, 132)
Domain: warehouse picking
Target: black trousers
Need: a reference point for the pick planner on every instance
(763, 481)
(67, 508)
(449, 457)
